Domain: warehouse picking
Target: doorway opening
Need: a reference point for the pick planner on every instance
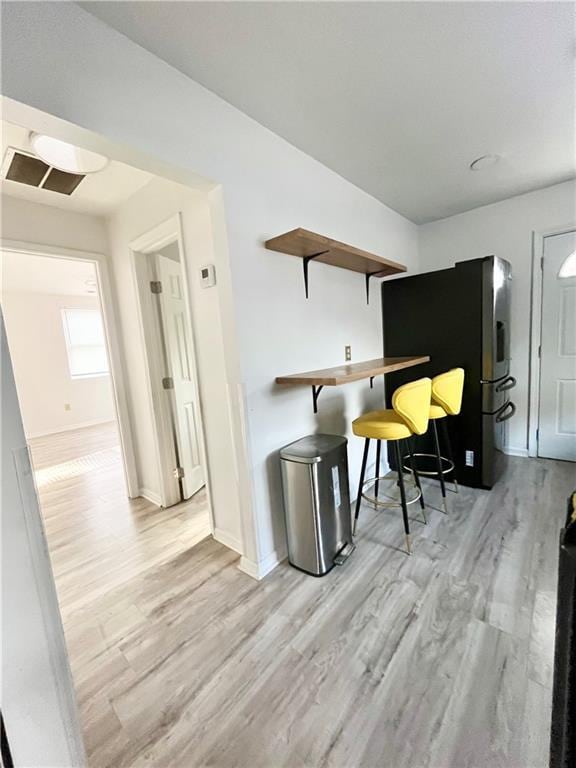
(59, 343)
(160, 274)
(60, 352)
(134, 444)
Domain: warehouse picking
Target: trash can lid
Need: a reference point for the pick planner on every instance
(312, 449)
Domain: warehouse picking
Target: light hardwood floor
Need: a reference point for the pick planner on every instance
(438, 660)
(104, 548)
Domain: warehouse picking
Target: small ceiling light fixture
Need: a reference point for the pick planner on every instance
(486, 161)
(66, 157)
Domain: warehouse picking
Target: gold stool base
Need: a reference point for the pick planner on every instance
(390, 500)
(429, 472)
(448, 466)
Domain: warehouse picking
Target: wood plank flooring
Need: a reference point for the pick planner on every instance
(438, 660)
(105, 549)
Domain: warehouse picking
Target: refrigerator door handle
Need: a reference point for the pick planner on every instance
(508, 383)
(502, 415)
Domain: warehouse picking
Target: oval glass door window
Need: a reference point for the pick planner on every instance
(568, 268)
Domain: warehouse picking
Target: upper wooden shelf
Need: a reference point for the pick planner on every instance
(344, 374)
(308, 245)
(301, 242)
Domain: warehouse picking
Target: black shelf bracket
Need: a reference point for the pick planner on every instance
(315, 392)
(305, 261)
(371, 382)
(368, 276)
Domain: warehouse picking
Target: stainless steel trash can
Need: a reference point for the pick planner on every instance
(317, 502)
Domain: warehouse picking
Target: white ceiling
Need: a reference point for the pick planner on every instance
(25, 273)
(98, 193)
(399, 98)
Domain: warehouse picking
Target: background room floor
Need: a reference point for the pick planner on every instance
(107, 551)
(442, 659)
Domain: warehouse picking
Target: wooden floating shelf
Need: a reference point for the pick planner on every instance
(309, 245)
(301, 242)
(344, 374)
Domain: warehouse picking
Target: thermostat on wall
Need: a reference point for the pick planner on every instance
(208, 276)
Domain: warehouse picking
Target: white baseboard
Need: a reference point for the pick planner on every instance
(259, 570)
(150, 496)
(69, 428)
(509, 450)
(228, 540)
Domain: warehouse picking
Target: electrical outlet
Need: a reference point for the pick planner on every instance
(348, 353)
(67, 407)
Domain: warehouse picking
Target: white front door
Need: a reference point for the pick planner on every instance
(180, 360)
(557, 418)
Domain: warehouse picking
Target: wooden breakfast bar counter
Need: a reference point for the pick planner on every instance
(344, 374)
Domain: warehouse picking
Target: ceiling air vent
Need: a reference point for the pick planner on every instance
(28, 169)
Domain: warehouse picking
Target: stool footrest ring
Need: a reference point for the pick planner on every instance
(388, 500)
(447, 465)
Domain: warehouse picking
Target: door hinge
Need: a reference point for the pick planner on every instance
(168, 382)
(156, 286)
(540, 350)
(542, 263)
(179, 473)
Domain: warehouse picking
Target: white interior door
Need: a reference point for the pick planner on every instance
(180, 362)
(557, 418)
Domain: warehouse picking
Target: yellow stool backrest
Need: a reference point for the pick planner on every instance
(447, 390)
(412, 403)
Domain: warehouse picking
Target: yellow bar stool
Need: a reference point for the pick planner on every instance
(408, 416)
(447, 390)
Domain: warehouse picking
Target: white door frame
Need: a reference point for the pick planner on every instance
(112, 332)
(247, 542)
(169, 231)
(34, 637)
(538, 242)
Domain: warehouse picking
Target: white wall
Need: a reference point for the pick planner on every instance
(38, 702)
(504, 229)
(47, 225)
(156, 203)
(40, 360)
(101, 81)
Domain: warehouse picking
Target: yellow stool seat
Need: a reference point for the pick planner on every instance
(408, 416)
(381, 425)
(437, 412)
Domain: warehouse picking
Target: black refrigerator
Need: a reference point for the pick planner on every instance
(460, 317)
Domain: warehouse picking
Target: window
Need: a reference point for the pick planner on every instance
(84, 334)
(568, 268)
